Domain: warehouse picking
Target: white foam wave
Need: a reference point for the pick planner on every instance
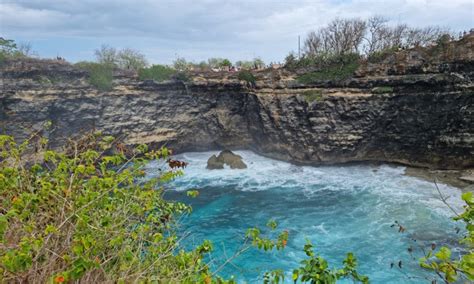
(387, 181)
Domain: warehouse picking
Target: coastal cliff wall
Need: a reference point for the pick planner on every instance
(425, 119)
(422, 128)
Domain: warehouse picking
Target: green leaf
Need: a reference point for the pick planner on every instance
(443, 254)
(272, 224)
(192, 193)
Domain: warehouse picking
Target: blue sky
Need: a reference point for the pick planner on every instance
(199, 29)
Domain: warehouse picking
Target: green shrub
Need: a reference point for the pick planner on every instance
(3, 58)
(382, 90)
(157, 72)
(328, 67)
(331, 73)
(313, 269)
(9, 50)
(247, 76)
(100, 74)
(84, 215)
(181, 76)
(313, 95)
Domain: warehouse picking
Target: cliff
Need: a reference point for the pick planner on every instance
(426, 119)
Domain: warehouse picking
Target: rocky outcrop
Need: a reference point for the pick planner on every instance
(426, 120)
(228, 158)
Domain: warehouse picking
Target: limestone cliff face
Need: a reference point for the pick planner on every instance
(427, 121)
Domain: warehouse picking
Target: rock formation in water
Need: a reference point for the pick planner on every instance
(228, 158)
(425, 119)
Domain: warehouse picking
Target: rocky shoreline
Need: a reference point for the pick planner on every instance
(449, 177)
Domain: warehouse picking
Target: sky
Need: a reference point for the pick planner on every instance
(198, 29)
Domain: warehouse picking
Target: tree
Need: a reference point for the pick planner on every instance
(26, 49)
(258, 63)
(244, 64)
(107, 55)
(215, 62)
(290, 60)
(181, 64)
(340, 36)
(226, 63)
(378, 34)
(9, 49)
(7, 45)
(424, 36)
(131, 59)
(203, 65)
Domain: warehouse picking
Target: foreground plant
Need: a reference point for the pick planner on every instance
(446, 266)
(314, 269)
(85, 214)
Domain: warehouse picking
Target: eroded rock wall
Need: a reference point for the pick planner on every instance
(434, 129)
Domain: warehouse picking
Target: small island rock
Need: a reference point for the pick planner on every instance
(226, 157)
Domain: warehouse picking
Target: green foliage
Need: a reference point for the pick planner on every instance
(219, 62)
(181, 64)
(258, 63)
(382, 90)
(9, 50)
(315, 269)
(126, 58)
(100, 75)
(329, 67)
(192, 193)
(450, 268)
(264, 242)
(88, 215)
(247, 76)
(203, 65)
(106, 55)
(226, 63)
(181, 76)
(131, 59)
(245, 64)
(156, 72)
(312, 95)
(291, 61)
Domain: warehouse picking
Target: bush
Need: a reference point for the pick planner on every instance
(100, 75)
(327, 67)
(84, 215)
(9, 50)
(181, 76)
(157, 72)
(313, 95)
(459, 267)
(382, 90)
(247, 76)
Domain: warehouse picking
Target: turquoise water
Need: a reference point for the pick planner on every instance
(338, 208)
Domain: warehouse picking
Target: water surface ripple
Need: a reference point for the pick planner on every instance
(339, 208)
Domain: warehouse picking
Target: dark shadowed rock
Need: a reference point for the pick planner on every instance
(226, 157)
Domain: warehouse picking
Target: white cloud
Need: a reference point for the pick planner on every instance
(200, 29)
